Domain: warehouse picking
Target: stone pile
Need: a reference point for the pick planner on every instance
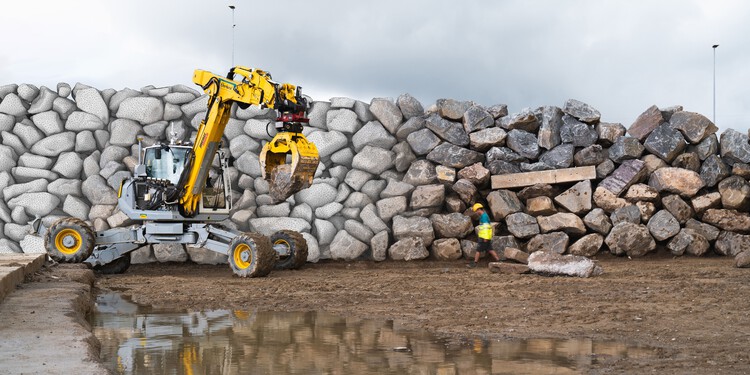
(395, 179)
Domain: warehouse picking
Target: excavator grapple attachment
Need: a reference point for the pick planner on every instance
(288, 162)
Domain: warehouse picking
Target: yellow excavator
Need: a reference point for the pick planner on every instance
(178, 195)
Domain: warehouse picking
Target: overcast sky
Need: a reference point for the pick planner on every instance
(618, 56)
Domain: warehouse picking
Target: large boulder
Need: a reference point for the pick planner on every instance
(503, 202)
(676, 180)
(423, 141)
(416, 226)
(609, 132)
(485, 139)
(144, 109)
(523, 143)
(410, 107)
(577, 133)
(693, 126)
(446, 249)
(387, 112)
(680, 209)
(477, 118)
(735, 146)
(625, 148)
(628, 173)
(729, 220)
(453, 225)
(633, 240)
(345, 247)
(374, 134)
(663, 225)
(714, 170)
(549, 263)
(665, 142)
(688, 241)
(731, 244)
(421, 172)
(409, 248)
(646, 123)
(556, 242)
(35, 204)
(453, 156)
(522, 225)
(170, 252)
(587, 245)
(735, 193)
(270, 225)
(563, 221)
(577, 199)
(581, 111)
(449, 131)
(559, 157)
(549, 129)
(374, 160)
(55, 144)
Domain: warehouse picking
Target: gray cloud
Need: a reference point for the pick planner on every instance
(619, 56)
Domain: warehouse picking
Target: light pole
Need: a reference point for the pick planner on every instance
(233, 25)
(714, 47)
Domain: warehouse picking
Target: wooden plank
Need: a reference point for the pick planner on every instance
(554, 176)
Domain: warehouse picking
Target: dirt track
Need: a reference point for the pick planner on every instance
(694, 312)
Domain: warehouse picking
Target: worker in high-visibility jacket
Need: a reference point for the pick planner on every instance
(484, 232)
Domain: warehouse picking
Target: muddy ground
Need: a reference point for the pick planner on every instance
(693, 312)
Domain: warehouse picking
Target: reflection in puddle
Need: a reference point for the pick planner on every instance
(143, 340)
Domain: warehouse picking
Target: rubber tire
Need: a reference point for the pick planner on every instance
(117, 266)
(298, 247)
(262, 255)
(70, 224)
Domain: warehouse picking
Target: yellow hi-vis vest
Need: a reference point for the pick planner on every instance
(484, 231)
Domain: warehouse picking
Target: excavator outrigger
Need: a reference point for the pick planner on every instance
(170, 201)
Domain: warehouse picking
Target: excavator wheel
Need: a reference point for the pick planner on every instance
(69, 240)
(117, 266)
(296, 247)
(251, 255)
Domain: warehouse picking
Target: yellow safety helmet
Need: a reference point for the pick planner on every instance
(476, 206)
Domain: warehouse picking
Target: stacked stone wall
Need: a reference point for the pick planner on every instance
(395, 179)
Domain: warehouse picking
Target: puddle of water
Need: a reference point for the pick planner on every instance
(143, 340)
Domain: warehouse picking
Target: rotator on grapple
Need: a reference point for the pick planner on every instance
(170, 201)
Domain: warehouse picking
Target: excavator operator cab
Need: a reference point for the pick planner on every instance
(166, 162)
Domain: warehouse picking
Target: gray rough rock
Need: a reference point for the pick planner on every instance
(124, 132)
(731, 244)
(522, 225)
(200, 255)
(170, 252)
(587, 245)
(356, 179)
(373, 159)
(563, 221)
(714, 170)
(477, 118)
(13, 105)
(523, 143)
(145, 110)
(633, 240)
(325, 231)
(591, 155)
(404, 227)
(646, 123)
(549, 129)
(410, 126)
(374, 134)
(676, 180)
(735, 193)
(609, 132)
(693, 126)
(604, 169)
(485, 139)
(503, 203)
(476, 173)
(43, 101)
(409, 248)
(358, 230)
(707, 230)
(90, 100)
(270, 225)
(630, 213)
(409, 106)
(665, 142)
(428, 196)
(735, 146)
(24, 174)
(79, 121)
(525, 120)
(329, 143)
(387, 112)
(344, 120)
(577, 133)
(625, 148)
(449, 131)
(396, 188)
(48, 122)
(680, 209)
(708, 146)
(556, 242)
(688, 241)
(328, 210)
(742, 260)
(390, 207)
(69, 165)
(35, 204)
(641, 192)
(498, 110)
(318, 114)
(581, 111)
(379, 246)
(370, 218)
(466, 191)
(516, 255)
(445, 175)
(96, 190)
(453, 225)
(504, 167)
(452, 109)
(663, 225)
(13, 190)
(577, 199)
(446, 249)
(316, 195)
(453, 156)
(569, 265)
(559, 157)
(423, 141)
(540, 206)
(55, 144)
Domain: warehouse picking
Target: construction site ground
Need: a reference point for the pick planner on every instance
(693, 313)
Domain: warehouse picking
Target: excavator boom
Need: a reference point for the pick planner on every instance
(254, 87)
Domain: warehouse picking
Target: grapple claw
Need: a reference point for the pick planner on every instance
(286, 178)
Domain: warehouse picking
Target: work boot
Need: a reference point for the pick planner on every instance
(472, 265)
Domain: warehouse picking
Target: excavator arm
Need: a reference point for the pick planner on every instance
(254, 87)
